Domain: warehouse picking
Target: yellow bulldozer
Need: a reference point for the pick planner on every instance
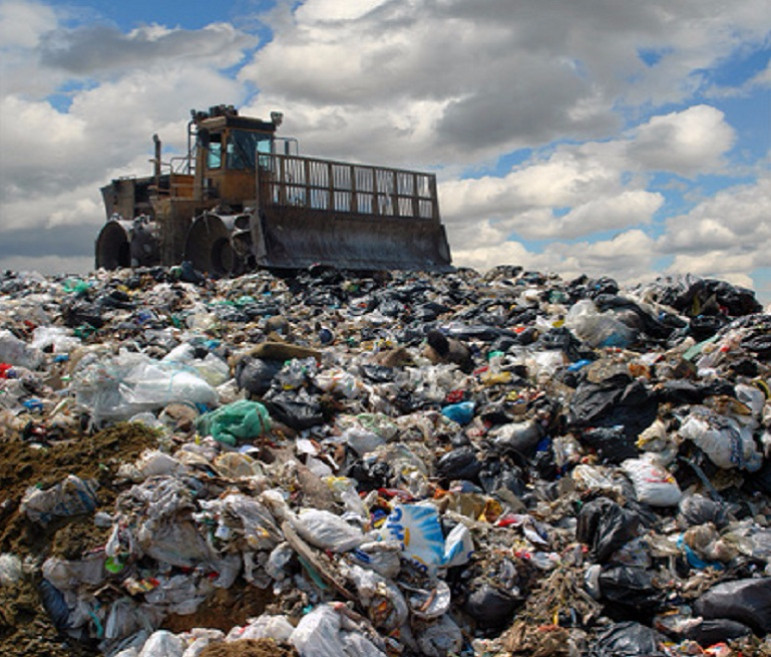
(243, 198)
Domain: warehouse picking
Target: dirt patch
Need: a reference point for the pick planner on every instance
(25, 628)
(95, 457)
(249, 648)
(224, 609)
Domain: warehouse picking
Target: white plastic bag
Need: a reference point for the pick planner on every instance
(266, 626)
(727, 444)
(328, 531)
(595, 328)
(163, 644)
(58, 337)
(653, 483)
(17, 352)
(320, 633)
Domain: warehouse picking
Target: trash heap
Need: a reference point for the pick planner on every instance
(331, 464)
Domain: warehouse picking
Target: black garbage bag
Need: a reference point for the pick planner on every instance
(562, 339)
(501, 474)
(504, 343)
(693, 296)
(117, 299)
(630, 591)
(296, 409)
(636, 316)
(80, 313)
(459, 463)
(189, 274)
(256, 375)
(612, 444)
(696, 509)
(746, 601)
(605, 526)
(617, 400)
(683, 391)
(759, 344)
(370, 475)
(760, 480)
(378, 373)
(491, 607)
(628, 639)
(703, 327)
(709, 632)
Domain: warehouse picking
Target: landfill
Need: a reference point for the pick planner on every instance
(328, 463)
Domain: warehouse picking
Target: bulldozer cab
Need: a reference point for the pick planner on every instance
(229, 149)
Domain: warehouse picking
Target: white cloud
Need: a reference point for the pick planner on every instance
(498, 76)
(627, 257)
(735, 223)
(688, 142)
(334, 10)
(502, 253)
(98, 50)
(22, 24)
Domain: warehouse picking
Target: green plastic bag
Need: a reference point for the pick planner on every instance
(241, 420)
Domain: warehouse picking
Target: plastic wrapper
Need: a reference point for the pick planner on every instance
(387, 606)
(263, 627)
(417, 528)
(384, 557)
(115, 389)
(440, 639)
(241, 519)
(18, 352)
(59, 339)
(596, 328)
(67, 575)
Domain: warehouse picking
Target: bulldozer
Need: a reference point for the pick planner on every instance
(242, 198)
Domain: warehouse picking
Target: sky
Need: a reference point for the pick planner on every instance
(600, 137)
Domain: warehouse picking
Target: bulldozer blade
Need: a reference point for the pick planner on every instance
(289, 238)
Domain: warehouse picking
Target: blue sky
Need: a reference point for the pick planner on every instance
(605, 138)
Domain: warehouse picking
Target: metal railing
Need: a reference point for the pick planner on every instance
(340, 187)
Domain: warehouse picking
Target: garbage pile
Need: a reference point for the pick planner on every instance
(330, 464)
